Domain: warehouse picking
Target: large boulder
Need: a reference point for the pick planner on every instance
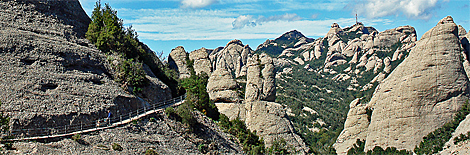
(422, 93)
(389, 37)
(178, 61)
(201, 62)
(222, 87)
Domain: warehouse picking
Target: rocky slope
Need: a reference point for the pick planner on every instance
(157, 132)
(419, 96)
(50, 75)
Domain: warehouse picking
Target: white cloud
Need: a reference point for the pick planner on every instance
(418, 9)
(242, 21)
(248, 20)
(196, 4)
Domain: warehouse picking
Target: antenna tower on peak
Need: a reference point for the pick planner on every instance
(356, 17)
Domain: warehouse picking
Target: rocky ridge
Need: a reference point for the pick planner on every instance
(419, 96)
(234, 68)
(327, 73)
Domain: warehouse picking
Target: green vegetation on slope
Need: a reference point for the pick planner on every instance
(434, 141)
(198, 98)
(107, 33)
(462, 137)
(251, 143)
(358, 149)
(329, 98)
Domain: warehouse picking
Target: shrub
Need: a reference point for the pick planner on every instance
(251, 143)
(358, 149)
(170, 112)
(116, 147)
(107, 33)
(280, 147)
(202, 148)
(131, 73)
(150, 152)
(185, 112)
(4, 122)
(195, 87)
(76, 137)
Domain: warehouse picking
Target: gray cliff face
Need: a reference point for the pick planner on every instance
(177, 61)
(50, 75)
(419, 96)
(221, 87)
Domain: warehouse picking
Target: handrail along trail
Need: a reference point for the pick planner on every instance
(68, 130)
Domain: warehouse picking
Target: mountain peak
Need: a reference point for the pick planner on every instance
(291, 35)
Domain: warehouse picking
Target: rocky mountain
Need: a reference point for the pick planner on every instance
(317, 79)
(289, 39)
(422, 94)
(322, 96)
(242, 85)
(50, 76)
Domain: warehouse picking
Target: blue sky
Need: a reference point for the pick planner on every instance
(166, 24)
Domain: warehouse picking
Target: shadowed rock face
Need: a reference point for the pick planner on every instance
(177, 60)
(50, 75)
(419, 96)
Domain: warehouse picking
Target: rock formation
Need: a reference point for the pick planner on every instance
(355, 127)
(177, 60)
(222, 87)
(232, 57)
(419, 96)
(201, 62)
(260, 83)
(51, 75)
(268, 119)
